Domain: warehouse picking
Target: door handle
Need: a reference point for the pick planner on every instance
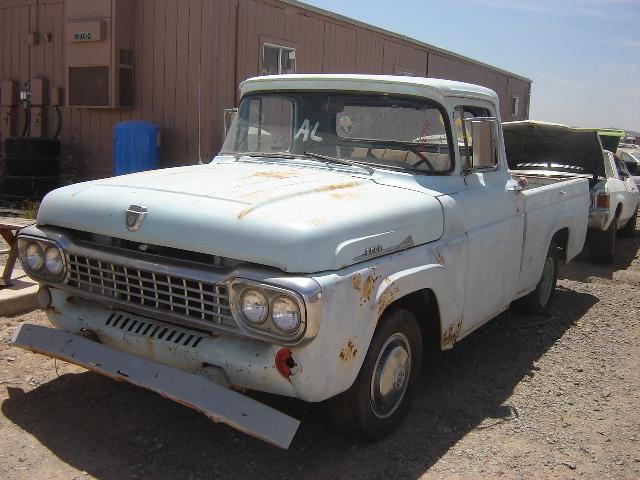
(516, 187)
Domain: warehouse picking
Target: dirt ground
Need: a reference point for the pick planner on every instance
(554, 396)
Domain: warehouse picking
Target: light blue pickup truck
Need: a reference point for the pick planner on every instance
(348, 222)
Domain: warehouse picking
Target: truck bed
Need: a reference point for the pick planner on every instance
(552, 203)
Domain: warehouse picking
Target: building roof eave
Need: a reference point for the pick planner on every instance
(367, 26)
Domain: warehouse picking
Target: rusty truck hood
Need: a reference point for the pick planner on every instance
(292, 217)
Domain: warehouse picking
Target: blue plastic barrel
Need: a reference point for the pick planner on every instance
(136, 147)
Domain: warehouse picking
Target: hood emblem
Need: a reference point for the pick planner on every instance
(134, 217)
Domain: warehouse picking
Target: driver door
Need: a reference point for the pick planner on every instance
(494, 220)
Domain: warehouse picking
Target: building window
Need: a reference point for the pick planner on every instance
(515, 105)
(277, 60)
(402, 71)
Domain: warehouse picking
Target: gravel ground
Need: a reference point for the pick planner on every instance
(523, 397)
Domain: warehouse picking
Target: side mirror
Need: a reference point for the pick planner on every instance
(230, 115)
(481, 136)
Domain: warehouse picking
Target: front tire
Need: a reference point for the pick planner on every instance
(540, 300)
(379, 399)
(629, 230)
(603, 246)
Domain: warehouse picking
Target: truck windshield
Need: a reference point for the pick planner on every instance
(379, 130)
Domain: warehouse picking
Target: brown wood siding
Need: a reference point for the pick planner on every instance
(520, 89)
(403, 57)
(369, 53)
(190, 56)
(339, 49)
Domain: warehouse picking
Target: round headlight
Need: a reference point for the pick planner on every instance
(253, 306)
(53, 261)
(285, 314)
(33, 257)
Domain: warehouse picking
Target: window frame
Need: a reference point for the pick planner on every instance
(515, 106)
(448, 126)
(280, 45)
(402, 71)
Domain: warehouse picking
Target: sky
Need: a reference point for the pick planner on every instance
(582, 55)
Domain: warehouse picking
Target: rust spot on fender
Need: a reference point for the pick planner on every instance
(348, 352)
(439, 258)
(343, 195)
(450, 335)
(334, 187)
(387, 297)
(276, 175)
(367, 287)
(356, 281)
(244, 212)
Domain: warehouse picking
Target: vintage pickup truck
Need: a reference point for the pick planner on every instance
(348, 222)
(546, 150)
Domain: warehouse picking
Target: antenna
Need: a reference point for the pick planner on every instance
(199, 115)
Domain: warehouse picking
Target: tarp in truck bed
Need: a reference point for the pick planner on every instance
(549, 146)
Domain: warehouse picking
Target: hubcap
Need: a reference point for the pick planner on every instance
(546, 283)
(390, 375)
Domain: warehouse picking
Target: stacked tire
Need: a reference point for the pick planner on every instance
(31, 167)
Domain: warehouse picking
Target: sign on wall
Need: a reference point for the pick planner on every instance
(85, 31)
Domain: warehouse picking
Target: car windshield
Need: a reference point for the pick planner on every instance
(373, 129)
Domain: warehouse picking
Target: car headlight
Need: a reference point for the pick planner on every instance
(33, 257)
(268, 311)
(285, 314)
(53, 262)
(42, 258)
(254, 306)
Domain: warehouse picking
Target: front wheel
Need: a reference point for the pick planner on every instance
(378, 401)
(540, 299)
(603, 244)
(629, 230)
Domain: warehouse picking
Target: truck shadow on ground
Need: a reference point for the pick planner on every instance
(115, 431)
(626, 253)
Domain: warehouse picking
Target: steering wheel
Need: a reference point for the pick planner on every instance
(422, 160)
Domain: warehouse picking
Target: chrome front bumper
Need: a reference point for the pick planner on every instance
(218, 403)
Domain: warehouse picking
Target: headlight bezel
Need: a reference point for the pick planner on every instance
(42, 274)
(238, 287)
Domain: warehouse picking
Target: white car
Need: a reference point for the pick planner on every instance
(631, 159)
(614, 209)
(545, 150)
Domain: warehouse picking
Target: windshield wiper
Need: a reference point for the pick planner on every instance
(262, 154)
(341, 161)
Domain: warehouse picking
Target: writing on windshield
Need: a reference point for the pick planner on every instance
(381, 130)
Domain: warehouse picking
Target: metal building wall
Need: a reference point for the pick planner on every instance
(183, 49)
(195, 52)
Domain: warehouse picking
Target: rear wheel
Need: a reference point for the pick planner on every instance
(603, 245)
(377, 402)
(541, 298)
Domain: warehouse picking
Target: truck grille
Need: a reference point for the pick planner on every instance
(177, 296)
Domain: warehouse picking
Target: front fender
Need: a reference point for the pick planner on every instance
(355, 298)
(432, 277)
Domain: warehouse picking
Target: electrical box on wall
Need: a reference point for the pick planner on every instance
(99, 69)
